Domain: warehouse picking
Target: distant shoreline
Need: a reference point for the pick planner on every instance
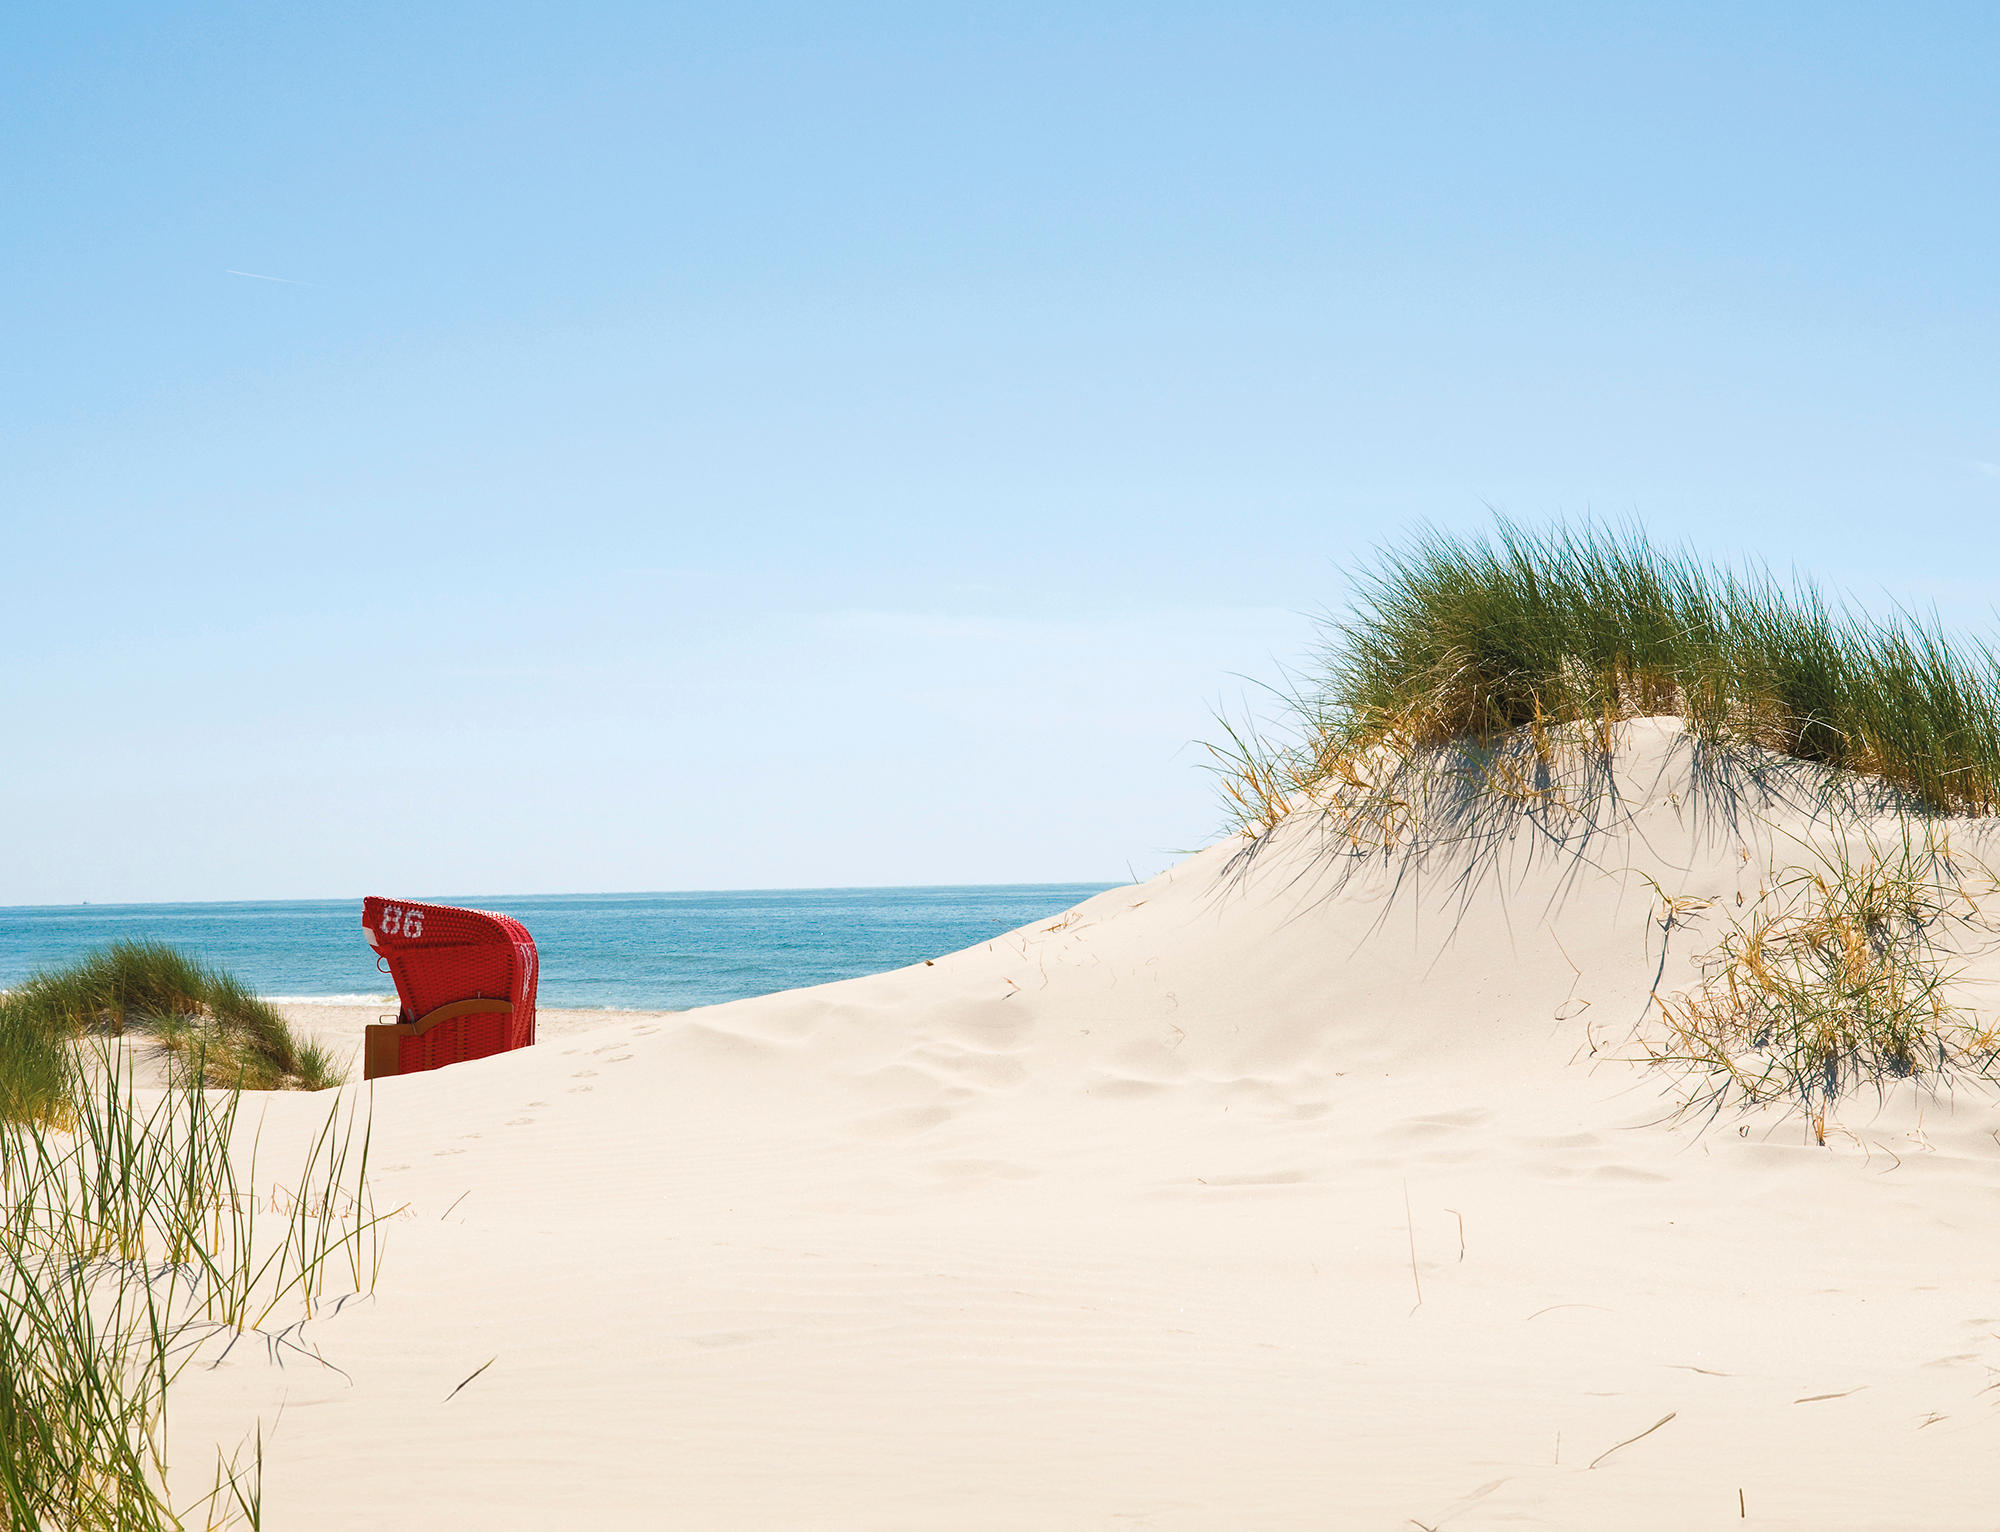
(611, 953)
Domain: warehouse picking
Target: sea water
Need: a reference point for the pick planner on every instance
(625, 951)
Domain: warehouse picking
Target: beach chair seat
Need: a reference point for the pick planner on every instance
(465, 980)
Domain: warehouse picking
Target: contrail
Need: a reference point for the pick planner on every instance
(232, 271)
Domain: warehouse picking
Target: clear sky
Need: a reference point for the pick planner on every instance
(704, 446)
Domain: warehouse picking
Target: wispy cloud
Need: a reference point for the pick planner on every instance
(1983, 468)
(288, 281)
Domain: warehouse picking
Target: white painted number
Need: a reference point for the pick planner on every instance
(398, 921)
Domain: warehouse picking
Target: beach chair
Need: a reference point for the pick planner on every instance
(466, 980)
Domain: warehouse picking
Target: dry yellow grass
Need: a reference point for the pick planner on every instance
(1838, 977)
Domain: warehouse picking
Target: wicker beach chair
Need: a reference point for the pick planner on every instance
(466, 980)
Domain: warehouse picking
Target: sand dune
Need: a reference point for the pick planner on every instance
(1300, 1189)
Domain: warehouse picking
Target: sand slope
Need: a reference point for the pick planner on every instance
(1111, 1222)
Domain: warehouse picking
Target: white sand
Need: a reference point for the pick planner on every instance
(1109, 1223)
(339, 1028)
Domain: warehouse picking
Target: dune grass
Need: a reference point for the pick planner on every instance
(34, 1062)
(130, 1243)
(1837, 978)
(217, 1030)
(1457, 639)
(131, 1235)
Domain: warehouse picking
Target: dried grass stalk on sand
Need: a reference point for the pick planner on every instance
(1840, 976)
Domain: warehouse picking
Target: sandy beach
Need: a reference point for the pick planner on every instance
(1302, 1189)
(1299, 704)
(339, 1027)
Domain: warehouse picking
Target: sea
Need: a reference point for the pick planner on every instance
(667, 951)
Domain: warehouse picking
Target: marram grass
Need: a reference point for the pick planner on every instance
(133, 1242)
(1836, 977)
(217, 1029)
(130, 1234)
(1456, 639)
(1535, 645)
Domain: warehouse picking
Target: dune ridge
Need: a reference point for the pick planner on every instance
(1299, 1186)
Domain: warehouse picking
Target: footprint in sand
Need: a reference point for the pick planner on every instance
(538, 1103)
(517, 1122)
(577, 1089)
(438, 1152)
(584, 1074)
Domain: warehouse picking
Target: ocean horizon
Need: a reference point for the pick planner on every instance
(636, 951)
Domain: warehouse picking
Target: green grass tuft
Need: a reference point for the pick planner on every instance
(34, 1064)
(1471, 639)
(132, 1242)
(223, 1035)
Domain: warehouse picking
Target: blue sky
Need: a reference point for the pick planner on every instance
(736, 446)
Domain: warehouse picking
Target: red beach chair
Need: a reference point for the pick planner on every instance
(466, 980)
